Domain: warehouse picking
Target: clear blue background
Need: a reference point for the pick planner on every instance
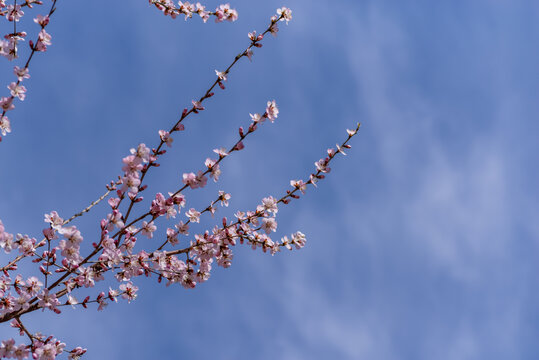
(423, 241)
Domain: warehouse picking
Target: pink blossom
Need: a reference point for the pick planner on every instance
(201, 179)
(232, 15)
(272, 111)
(159, 205)
(178, 199)
(87, 277)
(221, 152)
(131, 182)
(201, 10)
(257, 118)
(42, 20)
(190, 179)
(165, 137)
(275, 248)
(142, 152)
(299, 239)
(6, 103)
(23, 301)
(114, 202)
(187, 9)
(26, 244)
(102, 301)
(113, 294)
(195, 181)
(249, 54)
(171, 212)
(224, 197)
(45, 37)
(172, 236)
(269, 204)
(33, 285)
(197, 105)
(148, 229)
(21, 73)
(129, 291)
(285, 14)
(182, 228)
(313, 179)
(221, 75)
(269, 225)
(72, 235)
(8, 304)
(115, 218)
(76, 353)
(285, 242)
(5, 126)
(6, 241)
(225, 257)
(21, 352)
(193, 215)
(267, 243)
(5, 284)
(132, 164)
(8, 48)
(339, 149)
(49, 351)
(274, 29)
(331, 152)
(7, 348)
(54, 220)
(47, 300)
(212, 165)
(71, 300)
(17, 90)
(239, 146)
(254, 37)
(14, 13)
(322, 165)
(18, 36)
(240, 215)
(299, 184)
(224, 12)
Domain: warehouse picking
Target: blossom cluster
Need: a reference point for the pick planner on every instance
(222, 12)
(9, 49)
(14, 13)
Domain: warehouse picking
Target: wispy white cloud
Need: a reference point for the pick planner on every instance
(449, 210)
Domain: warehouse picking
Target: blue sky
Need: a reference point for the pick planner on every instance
(422, 242)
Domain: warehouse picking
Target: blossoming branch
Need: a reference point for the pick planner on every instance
(63, 271)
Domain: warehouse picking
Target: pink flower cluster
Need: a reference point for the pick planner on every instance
(13, 13)
(23, 243)
(221, 13)
(8, 49)
(42, 349)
